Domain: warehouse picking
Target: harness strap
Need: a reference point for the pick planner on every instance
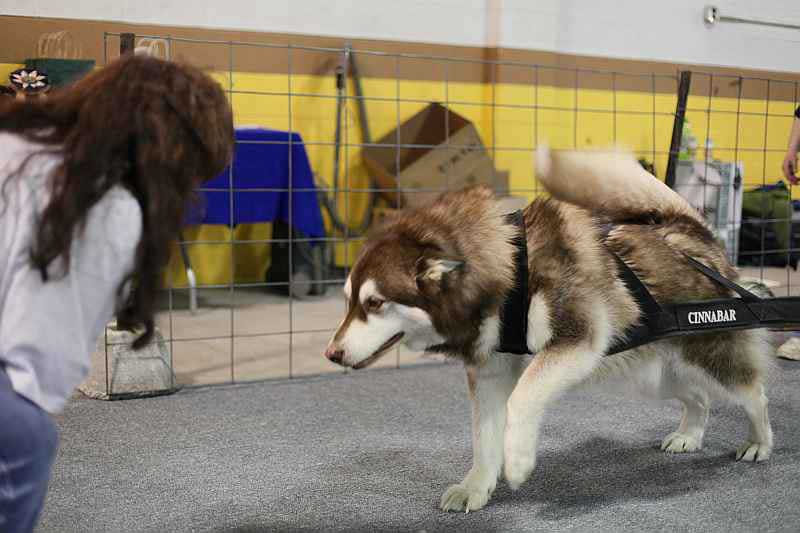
(656, 321)
(647, 303)
(653, 319)
(514, 315)
(715, 276)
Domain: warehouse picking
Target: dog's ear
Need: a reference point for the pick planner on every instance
(434, 269)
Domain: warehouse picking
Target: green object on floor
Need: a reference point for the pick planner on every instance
(773, 203)
(61, 71)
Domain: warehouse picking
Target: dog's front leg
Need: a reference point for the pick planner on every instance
(489, 388)
(552, 371)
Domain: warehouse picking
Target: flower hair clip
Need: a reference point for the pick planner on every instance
(29, 81)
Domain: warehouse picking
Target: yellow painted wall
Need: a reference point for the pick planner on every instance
(5, 70)
(522, 117)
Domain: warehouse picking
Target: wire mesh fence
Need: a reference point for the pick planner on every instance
(327, 140)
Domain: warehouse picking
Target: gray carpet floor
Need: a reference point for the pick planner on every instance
(373, 451)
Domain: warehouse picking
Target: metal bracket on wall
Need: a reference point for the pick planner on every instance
(712, 15)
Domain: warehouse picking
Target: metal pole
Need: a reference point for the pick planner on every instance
(677, 127)
(711, 16)
(341, 83)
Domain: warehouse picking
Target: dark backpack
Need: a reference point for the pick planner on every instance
(768, 236)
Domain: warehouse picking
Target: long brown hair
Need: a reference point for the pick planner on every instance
(155, 127)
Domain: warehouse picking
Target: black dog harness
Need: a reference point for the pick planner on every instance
(657, 321)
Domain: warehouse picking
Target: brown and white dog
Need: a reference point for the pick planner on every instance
(436, 278)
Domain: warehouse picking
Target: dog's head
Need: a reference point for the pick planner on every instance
(421, 280)
(390, 298)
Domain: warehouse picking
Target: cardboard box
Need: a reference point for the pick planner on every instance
(433, 151)
(508, 204)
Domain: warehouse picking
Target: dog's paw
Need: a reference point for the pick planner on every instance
(680, 443)
(753, 452)
(466, 497)
(518, 469)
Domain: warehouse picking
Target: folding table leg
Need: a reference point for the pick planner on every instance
(319, 276)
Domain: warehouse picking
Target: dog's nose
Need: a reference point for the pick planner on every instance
(334, 354)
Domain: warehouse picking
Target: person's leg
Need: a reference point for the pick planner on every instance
(28, 442)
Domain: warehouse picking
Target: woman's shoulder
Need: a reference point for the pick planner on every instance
(107, 245)
(13, 142)
(14, 145)
(16, 151)
(118, 212)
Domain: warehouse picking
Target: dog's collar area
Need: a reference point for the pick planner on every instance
(441, 348)
(514, 314)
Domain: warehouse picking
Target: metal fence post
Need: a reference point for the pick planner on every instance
(677, 127)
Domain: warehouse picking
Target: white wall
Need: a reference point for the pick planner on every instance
(673, 30)
(660, 30)
(530, 25)
(439, 21)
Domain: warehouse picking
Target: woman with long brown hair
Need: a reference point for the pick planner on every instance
(94, 181)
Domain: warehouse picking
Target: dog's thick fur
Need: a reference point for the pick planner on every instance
(436, 278)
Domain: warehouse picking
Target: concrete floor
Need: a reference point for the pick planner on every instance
(252, 335)
(782, 281)
(374, 450)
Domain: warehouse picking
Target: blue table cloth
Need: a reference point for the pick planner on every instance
(264, 159)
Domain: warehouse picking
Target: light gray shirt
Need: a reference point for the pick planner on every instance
(49, 329)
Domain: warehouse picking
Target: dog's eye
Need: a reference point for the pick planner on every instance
(374, 304)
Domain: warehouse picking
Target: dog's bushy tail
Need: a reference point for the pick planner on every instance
(610, 183)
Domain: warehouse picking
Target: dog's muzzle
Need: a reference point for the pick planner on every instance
(334, 354)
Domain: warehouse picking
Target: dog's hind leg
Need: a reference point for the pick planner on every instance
(739, 362)
(690, 386)
(689, 436)
(553, 371)
(489, 388)
(759, 443)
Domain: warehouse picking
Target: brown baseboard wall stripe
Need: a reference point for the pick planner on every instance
(312, 55)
